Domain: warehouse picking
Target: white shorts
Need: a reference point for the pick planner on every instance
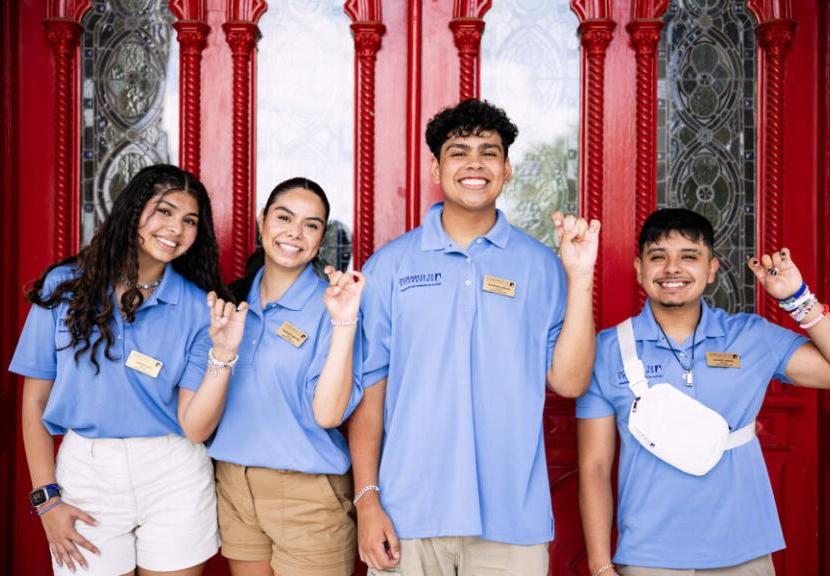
(153, 498)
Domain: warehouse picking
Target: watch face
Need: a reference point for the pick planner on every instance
(38, 497)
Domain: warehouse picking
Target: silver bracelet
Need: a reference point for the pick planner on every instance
(365, 490)
(215, 365)
(343, 322)
(603, 569)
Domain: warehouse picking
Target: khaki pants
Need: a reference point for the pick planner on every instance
(467, 556)
(759, 567)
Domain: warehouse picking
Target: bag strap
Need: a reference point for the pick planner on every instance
(634, 370)
(740, 436)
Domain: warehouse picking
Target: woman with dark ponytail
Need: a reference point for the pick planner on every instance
(281, 465)
(116, 339)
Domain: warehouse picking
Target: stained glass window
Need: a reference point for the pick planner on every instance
(129, 100)
(530, 67)
(305, 109)
(706, 97)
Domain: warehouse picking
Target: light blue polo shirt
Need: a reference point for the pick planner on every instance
(667, 518)
(268, 420)
(464, 450)
(171, 326)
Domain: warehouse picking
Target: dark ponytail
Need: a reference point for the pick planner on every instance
(241, 287)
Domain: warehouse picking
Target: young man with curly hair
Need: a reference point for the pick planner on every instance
(466, 318)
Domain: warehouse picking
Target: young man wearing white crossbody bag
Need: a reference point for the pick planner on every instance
(682, 383)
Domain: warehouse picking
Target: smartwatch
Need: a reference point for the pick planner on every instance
(40, 496)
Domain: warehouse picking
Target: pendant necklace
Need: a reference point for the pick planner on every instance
(688, 378)
(148, 286)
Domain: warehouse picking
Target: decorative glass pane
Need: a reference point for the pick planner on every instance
(706, 132)
(305, 109)
(129, 101)
(530, 67)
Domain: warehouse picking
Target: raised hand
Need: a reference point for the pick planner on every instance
(578, 242)
(342, 297)
(227, 324)
(777, 273)
(64, 540)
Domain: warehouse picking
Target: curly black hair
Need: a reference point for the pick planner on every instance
(242, 286)
(112, 255)
(661, 223)
(469, 118)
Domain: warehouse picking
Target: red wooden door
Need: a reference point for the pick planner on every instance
(598, 60)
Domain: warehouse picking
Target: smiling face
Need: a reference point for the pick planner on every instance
(472, 171)
(292, 229)
(674, 271)
(167, 227)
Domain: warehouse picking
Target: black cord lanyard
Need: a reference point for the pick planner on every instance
(688, 379)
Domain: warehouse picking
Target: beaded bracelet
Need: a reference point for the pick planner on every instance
(215, 365)
(45, 509)
(343, 322)
(824, 312)
(795, 296)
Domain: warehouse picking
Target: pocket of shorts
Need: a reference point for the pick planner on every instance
(341, 489)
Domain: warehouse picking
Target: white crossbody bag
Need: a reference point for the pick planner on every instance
(671, 425)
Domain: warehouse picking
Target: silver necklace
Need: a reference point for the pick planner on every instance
(148, 286)
(688, 378)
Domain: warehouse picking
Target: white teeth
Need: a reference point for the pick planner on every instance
(474, 181)
(288, 247)
(167, 242)
(672, 284)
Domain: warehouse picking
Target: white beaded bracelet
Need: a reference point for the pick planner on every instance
(365, 490)
(215, 365)
(343, 322)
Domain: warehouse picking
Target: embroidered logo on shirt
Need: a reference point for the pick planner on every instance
(419, 280)
(652, 371)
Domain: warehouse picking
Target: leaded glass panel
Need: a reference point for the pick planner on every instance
(129, 100)
(706, 95)
(305, 109)
(530, 67)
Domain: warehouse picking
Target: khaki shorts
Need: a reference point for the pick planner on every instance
(303, 523)
(467, 556)
(759, 567)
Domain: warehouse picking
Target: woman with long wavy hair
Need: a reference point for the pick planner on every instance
(281, 464)
(114, 353)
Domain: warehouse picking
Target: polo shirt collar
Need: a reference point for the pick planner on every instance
(170, 288)
(646, 327)
(295, 298)
(434, 237)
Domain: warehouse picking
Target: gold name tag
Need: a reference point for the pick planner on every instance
(723, 360)
(498, 285)
(292, 334)
(144, 364)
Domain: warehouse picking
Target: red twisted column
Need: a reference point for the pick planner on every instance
(64, 36)
(192, 36)
(645, 36)
(774, 38)
(595, 36)
(242, 38)
(466, 33)
(367, 40)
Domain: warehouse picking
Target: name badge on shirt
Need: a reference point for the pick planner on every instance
(498, 285)
(144, 364)
(292, 334)
(723, 360)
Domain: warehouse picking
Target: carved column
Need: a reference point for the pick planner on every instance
(595, 36)
(774, 38)
(192, 36)
(645, 36)
(242, 38)
(466, 33)
(64, 36)
(367, 40)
